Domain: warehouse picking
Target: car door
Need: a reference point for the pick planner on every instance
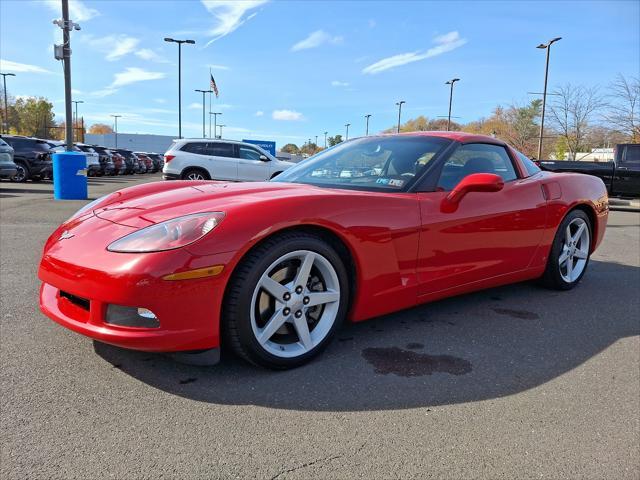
(250, 167)
(490, 233)
(223, 164)
(626, 181)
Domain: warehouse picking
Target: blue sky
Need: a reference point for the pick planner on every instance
(288, 71)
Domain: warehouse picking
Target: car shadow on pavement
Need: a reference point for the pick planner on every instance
(474, 347)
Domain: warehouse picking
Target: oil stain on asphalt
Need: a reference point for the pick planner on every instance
(406, 363)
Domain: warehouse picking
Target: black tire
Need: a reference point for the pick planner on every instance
(236, 313)
(195, 171)
(22, 175)
(552, 277)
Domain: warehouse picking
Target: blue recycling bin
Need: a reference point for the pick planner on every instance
(69, 176)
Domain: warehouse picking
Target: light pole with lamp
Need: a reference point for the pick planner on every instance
(366, 132)
(75, 126)
(546, 47)
(6, 104)
(179, 42)
(203, 103)
(347, 136)
(450, 82)
(116, 118)
(399, 104)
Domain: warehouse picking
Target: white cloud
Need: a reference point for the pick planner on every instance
(148, 54)
(133, 75)
(259, 113)
(444, 43)
(159, 100)
(105, 92)
(338, 83)
(229, 15)
(218, 67)
(315, 39)
(78, 11)
(115, 46)
(287, 115)
(195, 106)
(8, 66)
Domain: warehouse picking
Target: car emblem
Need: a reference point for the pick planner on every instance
(66, 235)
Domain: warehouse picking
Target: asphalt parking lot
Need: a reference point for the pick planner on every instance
(514, 382)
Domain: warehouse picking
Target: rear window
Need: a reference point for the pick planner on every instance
(199, 148)
(529, 166)
(633, 155)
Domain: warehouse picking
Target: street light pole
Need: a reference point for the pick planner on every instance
(325, 139)
(450, 82)
(546, 46)
(215, 123)
(179, 42)
(399, 104)
(221, 130)
(347, 136)
(203, 116)
(6, 105)
(366, 134)
(75, 122)
(116, 117)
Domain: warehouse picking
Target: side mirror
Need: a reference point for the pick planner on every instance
(476, 182)
(264, 158)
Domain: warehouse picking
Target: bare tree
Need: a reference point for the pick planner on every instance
(624, 110)
(572, 113)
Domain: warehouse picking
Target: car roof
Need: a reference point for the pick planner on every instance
(457, 136)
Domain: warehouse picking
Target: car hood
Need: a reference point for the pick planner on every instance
(193, 197)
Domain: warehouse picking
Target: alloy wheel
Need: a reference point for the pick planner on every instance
(295, 304)
(21, 173)
(195, 176)
(575, 250)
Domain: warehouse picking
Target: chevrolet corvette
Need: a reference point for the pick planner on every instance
(272, 269)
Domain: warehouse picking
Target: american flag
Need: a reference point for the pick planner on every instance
(214, 87)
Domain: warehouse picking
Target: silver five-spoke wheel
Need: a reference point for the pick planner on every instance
(195, 176)
(575, 250)
(295, 303)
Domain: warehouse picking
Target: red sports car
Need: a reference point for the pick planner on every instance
(368, 227)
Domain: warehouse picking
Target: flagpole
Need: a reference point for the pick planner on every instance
(210, 93)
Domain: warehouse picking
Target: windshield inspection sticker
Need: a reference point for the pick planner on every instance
(383, 181)
(396, 183)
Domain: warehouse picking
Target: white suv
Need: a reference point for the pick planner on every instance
(205, 159)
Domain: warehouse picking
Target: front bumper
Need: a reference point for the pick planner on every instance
(44, 170)
(170, 176)
(7, 170)
(187, 310)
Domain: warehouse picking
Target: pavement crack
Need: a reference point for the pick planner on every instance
(314, 462)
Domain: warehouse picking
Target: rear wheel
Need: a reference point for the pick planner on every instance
(22, 173)
(285, 301)
(195, 174)
(570, 252)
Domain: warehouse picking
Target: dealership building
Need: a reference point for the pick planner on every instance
(138, 142)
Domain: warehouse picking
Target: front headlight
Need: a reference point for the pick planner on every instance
(174, 233)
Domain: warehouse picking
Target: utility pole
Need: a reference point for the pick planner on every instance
(179, 42)
(75, 121)
(399, 104)
(203, 121)
(450, 82)
(366, 133)
(547, 47)
(66, 26)
(347, 136)
(116, 117)
(6, 105)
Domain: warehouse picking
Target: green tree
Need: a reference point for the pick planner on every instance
(291, 148)
(34, 115)
(333, 141)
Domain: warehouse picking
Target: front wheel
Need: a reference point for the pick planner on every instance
(22, 173)
(570, 252)
(285, 301)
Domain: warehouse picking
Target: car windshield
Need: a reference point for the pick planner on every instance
(378, 163)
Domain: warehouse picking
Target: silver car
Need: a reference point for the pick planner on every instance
(7, 168)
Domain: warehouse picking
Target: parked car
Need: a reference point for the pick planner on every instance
(147, 161)
(118, 162)
(93, 159)
(206, 159)
(7, 168)
(106, 160)
(130, 160)
(141, 165)
(32, 157)
(622, 176)
(158, 161)
(274, 268)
